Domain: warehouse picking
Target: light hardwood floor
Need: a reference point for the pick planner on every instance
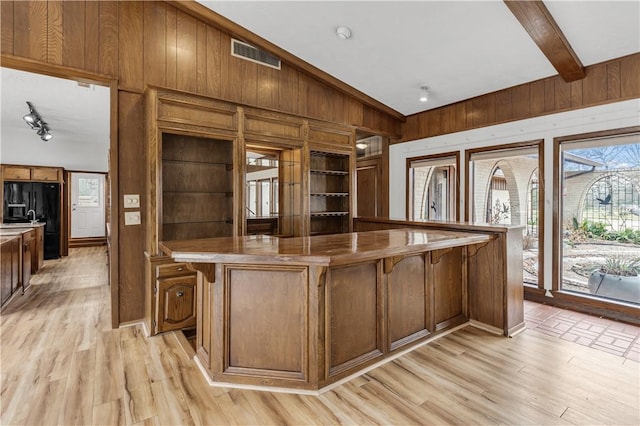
(62, 364)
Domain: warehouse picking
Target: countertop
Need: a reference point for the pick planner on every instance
(27, 225)
(455, 225)
(17, 229)
(322, 250)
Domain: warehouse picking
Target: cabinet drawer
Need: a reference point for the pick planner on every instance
(44, 174)
(176, 303)
(16, 173)
(173, 270)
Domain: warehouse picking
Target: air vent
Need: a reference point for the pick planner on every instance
(253, 54)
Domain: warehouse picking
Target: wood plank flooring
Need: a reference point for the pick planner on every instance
(62, 364)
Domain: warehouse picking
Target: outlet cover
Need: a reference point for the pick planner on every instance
(132, 218)
(131, 201)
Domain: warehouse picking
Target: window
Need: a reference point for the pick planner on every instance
(433, 187)
(599, 223)
(88, 192)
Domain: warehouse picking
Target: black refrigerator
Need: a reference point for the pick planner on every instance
(43, 198)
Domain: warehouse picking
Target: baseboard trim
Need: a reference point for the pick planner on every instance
(87, 242)
(332, 385)
(486, 327)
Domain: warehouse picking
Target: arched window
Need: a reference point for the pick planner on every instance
(498, 200)
(432, 187)
(613, 201)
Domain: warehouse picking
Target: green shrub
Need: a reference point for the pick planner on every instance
(594, 229)
(618, 265)
(627, 235)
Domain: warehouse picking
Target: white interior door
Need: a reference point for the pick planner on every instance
(87, 205)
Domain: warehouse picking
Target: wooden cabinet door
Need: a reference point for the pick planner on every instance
(16, 173)
(38, 253)
(27, 247)
(369, 187)
(6, 269)
(176, 303)
(44, 173)
(16, 264)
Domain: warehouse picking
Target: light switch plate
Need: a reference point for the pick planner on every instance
(131, 201)
(132, 218)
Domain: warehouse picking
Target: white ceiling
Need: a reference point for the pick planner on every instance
(78, 118)
(74, 113)
(460, 49)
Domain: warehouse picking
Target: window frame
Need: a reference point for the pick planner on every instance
(569, 299)
(456, 192)
(539, 145)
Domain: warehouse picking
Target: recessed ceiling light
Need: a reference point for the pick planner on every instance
(424, 93)
(343, 32)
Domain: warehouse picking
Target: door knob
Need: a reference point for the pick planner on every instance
(179, 293)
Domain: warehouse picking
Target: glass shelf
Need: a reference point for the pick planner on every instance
(328, 214)
(329, 172)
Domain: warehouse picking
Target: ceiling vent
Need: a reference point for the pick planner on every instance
(253, 54)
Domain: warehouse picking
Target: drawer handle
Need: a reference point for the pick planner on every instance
(180, 269)
(179, 293)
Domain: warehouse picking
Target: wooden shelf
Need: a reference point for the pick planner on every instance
(228, 166)
(330, 194)
(227, 194)
(225, 220)
(197, 193)
(328, 214)
(329, 172)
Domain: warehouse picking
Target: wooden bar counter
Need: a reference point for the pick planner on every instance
(303, 313)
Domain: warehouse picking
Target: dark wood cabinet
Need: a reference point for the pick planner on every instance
(369, 184)
(171, 301)
(176, 303)
(493, 271)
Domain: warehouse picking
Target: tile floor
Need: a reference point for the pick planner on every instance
(602, 334)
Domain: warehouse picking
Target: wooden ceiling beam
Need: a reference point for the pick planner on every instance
(545, 32)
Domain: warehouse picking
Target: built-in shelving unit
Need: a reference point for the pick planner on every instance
(329, 193)
(197, 187)
(219, 169)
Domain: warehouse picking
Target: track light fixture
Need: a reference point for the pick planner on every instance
(34, 121)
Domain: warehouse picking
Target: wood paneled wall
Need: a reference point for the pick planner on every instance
(607, 82)
(154, 43)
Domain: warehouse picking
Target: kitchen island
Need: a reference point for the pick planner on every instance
(304, 313)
